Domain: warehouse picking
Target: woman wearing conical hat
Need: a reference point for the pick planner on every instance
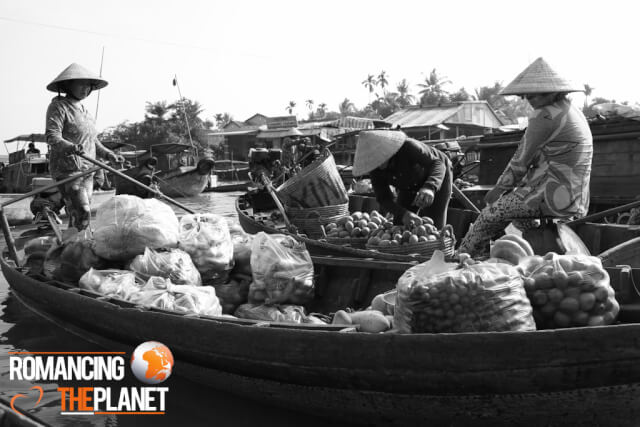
(70, 130)
(550, 171)
(420, 174)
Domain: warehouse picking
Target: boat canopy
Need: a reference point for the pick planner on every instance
(169, 148)
(31, 137)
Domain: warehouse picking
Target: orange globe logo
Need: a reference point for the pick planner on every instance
(152, 362)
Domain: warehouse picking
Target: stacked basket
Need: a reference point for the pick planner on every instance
(446, 243)
(315, 196)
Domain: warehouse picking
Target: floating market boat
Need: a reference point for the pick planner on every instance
(10, 418)
(583, 375)
(177, 171)
(598, 237)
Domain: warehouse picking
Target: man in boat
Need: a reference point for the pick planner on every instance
(32, 149)
(420, 174)
(70, 131)
(548, 176)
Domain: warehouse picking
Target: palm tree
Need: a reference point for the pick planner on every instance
(222, 119)
(382, 79)
(404, 98)
(156, 111)
(432, 89)
(309, 103)
(588, 90)
(322, 109)
(369, 83)
(491, 94)
(346, 107)
(290, 107)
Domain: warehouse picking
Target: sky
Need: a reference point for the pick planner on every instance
(254, 56)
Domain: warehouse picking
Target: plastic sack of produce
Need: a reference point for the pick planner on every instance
(126, 225)
(233, 293)
(282, 270)
(569, 290)
(68, 261)
(117, 283)
(241, 249)
(481, 297)
(272, 313)
(174, 264)
(206, 238)
(161, 293)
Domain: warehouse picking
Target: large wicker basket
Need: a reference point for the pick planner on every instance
(317, 185)
(354, 242)
(311, 220)
(446, 243)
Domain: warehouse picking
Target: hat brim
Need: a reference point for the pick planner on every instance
(96, 84)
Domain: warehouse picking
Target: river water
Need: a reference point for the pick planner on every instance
(188, 403)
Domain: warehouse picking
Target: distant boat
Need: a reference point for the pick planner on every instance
(177, 171)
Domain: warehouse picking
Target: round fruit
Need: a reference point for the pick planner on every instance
(413, 239)
(561, 279)
(569, 305)
(555, 295)
(561, 319)
(587, 301)
(349, 226)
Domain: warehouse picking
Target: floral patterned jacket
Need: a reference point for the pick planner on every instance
(551, 168)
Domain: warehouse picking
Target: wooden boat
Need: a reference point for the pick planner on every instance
(178, 172)
(9, 418)
(218, 186)
(553, 377)
(614, 173)
(231, 170)
(19, 213)
(598, 237)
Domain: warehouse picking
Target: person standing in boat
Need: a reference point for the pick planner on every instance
(420, 174)
(549, 173)
(70, 130)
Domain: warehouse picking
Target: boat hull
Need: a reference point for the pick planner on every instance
(19, 213)
(563, 376)
(186, 183)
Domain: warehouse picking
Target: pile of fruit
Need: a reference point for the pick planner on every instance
(380, 232)
(569, 290)
(564, 290)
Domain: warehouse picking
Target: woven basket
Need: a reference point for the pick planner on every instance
(425, 249)
(317, 185)
(354, 242)
(310, 221)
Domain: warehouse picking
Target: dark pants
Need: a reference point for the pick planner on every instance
(438, 209)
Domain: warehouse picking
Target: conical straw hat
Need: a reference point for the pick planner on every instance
(375, 147)
(539, 77)
(76, 72)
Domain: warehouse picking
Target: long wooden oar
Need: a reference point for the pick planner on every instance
(602, 214)
(462, 198)
(136, 182)
(272, 192)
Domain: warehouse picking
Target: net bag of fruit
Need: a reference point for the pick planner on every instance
(282, 270)
(174, 264)
(206, 238)
(568, 290)
(480, 297)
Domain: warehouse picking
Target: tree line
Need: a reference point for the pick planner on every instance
(167, 122)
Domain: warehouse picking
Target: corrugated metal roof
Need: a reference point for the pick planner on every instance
(425, 116)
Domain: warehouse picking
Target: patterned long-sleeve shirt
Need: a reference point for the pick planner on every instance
(551, 168)
(69, 123)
